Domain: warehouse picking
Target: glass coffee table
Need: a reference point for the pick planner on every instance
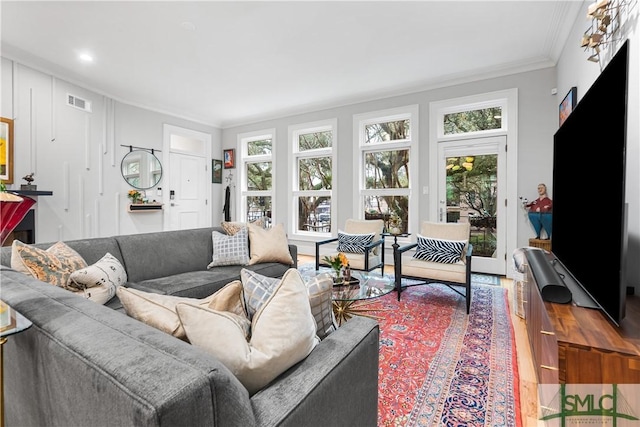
(353, 299)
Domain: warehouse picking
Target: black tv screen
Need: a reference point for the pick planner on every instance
(589, 212)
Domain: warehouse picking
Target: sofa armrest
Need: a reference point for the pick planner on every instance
(337, 384)
(293, 250)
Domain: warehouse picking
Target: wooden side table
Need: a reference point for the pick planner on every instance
(11, 323)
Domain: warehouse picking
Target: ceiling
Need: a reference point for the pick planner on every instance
(225, 63)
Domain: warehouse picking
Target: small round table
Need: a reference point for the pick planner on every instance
(354, 299)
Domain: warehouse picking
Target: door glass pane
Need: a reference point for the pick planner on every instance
(473, 121)
(259, 176)
(314, 214)
(472, 185)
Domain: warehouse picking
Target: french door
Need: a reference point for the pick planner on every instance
(472, 188)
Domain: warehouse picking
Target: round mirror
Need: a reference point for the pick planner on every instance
(141, 169)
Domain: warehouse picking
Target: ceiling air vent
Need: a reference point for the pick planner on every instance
(77, 102)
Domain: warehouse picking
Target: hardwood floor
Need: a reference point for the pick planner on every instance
(527, 377)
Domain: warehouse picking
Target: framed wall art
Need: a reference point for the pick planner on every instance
(216, 171)
(568, 104)
(230, 158)
(6, 150)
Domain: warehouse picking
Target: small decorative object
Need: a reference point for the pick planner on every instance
(395, 224)
(337, 262)
(135, 196)
(28, 186)
(229, 158)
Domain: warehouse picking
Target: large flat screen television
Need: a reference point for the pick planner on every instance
(589, 230)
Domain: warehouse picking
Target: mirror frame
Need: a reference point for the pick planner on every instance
(154, 175)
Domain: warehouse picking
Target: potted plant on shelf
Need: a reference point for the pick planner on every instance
(135, 196)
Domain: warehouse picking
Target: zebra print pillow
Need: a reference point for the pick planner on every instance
(439, 250)
(353, 243)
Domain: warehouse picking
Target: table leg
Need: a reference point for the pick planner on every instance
(345, 310)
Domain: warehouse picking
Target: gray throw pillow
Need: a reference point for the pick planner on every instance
(230, 250)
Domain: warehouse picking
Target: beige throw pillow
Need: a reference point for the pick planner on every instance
(232, 228)
(283, 332)
(53, 265)
(269, 245)
(159, 310)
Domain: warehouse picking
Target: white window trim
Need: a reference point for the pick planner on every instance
(294, 154)
(508, 99)
(242, 138)
(359, 122)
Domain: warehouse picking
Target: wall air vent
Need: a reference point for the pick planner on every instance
(79, 103)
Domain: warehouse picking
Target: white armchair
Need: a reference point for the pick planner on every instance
(361, 256)
(443, 255)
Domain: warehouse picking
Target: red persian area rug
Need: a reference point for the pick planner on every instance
(439, 366)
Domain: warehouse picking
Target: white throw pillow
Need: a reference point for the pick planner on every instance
(283, 332)
(98, 282)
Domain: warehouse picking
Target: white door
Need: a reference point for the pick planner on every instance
(188, 197)
(472, 188)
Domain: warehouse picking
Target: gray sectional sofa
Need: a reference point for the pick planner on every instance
(82, 363)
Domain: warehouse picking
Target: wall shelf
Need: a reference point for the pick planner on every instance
(144, 207)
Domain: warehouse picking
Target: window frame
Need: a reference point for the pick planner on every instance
(471, 104)
(294, 131)
(360, 148)
(243, 141)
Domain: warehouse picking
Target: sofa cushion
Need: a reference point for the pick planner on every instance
(269, 245)
(230, 249)
(98, 282)
(353, 243)
(439, 250)
(283, 332)
(159, 311)
(53, 265)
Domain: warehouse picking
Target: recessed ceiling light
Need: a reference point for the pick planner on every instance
(85, 57)
(189, 26)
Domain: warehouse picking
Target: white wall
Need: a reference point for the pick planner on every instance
(77, 155)
(575, 70)
(538, 117)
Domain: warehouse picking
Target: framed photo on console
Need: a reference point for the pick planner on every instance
(568, 104)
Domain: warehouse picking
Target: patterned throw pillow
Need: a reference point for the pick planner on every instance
(439, 250)
(257, 290)
(232, 228)
(53, 266)
(98, 282)
(353, 243)
(319, 289)
(230, 250)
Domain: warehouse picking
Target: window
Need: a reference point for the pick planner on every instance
(257, 180)
(313, 168)
(387, 140)
(473, 119)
